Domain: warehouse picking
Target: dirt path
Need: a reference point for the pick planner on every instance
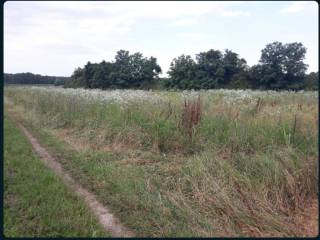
(110, 223)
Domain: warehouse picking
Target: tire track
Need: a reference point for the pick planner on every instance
(109, 222)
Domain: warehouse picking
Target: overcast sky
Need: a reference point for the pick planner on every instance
(53, 38)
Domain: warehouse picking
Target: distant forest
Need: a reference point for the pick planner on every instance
(30, 78)
(280, 67)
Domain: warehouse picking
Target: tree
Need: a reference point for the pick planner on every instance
(234, 69)
(120, 77)
(151, 71)
(210, 70)
(213, 69)
(282, 66)
(266, 77)
(77, 79)
(128, 71)
(90, 77)
(134, 71)
(103, 74)
(182, 73)
(239, 80)
(311, 81)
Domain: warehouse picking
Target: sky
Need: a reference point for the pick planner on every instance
(54, 38)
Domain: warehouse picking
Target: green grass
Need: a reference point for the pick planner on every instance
(159, 126)
(245, 172)
(36, 201)
(201, 195)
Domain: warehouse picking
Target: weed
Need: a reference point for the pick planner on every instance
(232, 162)
(191, 116)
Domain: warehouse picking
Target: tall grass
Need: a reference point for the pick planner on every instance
(248, 159)
(165, 124)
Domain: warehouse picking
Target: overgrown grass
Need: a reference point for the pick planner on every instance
(161, 124)
(36, 202)
(242, 170)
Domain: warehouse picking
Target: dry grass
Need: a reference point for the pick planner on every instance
(193, 167)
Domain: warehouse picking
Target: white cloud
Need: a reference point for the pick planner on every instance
(89, 30)
(294, 7)
(59, 32)
(162, 10)
(184, 22)
(191, 36)
(231, 13)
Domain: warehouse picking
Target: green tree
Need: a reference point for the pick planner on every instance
(77, 79)
(182, 73)
(311, 81)
(91, 80)
(281, 66)
(234, 69)
(103, 74)
(210, 69)
(240, 80)
(120, 77)
(134, 71)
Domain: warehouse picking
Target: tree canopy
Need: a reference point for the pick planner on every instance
(212, 69)
(280, 67)
(127, 71)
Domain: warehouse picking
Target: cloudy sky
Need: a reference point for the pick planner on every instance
(53, 38)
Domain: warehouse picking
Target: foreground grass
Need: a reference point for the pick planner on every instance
(189, 196)
(36, 202)
(245, 172)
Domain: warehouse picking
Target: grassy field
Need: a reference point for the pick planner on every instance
(207, 163)
(36, 202)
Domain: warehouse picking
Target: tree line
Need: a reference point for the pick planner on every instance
(280, 66)
(30, 78)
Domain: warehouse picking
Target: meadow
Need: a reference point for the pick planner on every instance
(184, 163)
(36, 201)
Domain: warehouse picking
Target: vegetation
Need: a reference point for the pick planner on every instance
(312, 81)
(212, 70)
(36, 202)
(128, 71)
(280, 67)
(30, 78)
(206, 163)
